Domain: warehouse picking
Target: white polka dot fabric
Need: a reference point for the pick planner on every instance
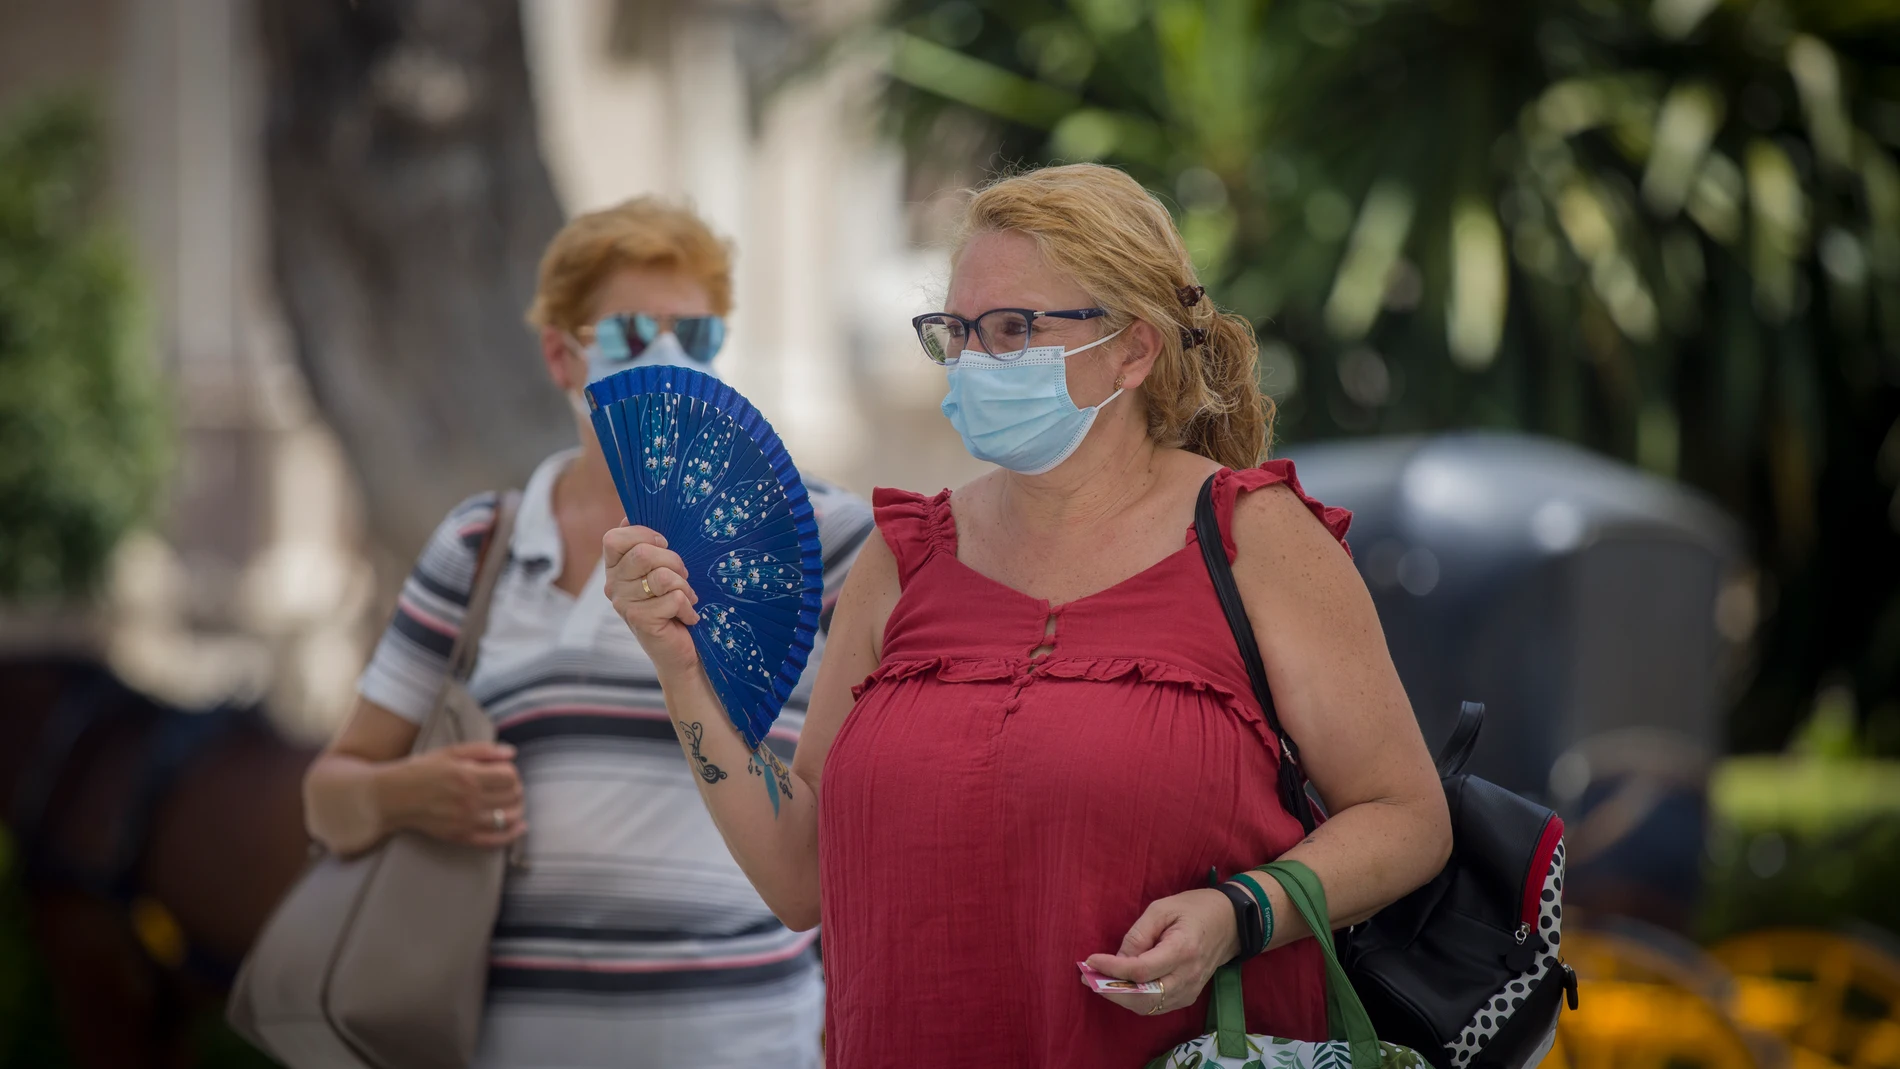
(1489, 1020)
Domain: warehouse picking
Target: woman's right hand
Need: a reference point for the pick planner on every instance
(647, 584)
(468, 793)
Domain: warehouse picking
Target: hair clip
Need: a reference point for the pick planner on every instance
(1192, 336)
(1190, 295)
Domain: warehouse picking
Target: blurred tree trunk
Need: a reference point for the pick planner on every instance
(409, 207)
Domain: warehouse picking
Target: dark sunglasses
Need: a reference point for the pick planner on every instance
(1004, 333)
(700, 336)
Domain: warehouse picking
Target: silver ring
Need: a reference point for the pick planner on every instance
(500, 818)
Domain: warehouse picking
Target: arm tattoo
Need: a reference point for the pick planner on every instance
(778, 781)
(779, 770)
(696, 734)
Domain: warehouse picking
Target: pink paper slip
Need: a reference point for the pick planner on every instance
(1110, 985)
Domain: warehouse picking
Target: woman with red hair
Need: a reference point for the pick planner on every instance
(631, 938)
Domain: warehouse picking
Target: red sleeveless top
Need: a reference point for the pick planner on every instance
(987, 821)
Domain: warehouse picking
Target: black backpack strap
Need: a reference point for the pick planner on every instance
(1214, 552)
(1464, 738)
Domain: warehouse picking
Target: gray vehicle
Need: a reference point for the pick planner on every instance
(1598, 612)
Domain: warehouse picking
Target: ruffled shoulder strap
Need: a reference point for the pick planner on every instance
(914, 526)
(1230, 484)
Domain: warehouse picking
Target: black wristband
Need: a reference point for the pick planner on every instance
(1247, 923)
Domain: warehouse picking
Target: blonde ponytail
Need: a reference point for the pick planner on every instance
(1237, 429)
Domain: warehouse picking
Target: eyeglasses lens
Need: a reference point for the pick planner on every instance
(942, 337)
(1005, 333)
(700, 336)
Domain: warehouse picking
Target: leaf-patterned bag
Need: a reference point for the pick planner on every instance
(1354, 1044)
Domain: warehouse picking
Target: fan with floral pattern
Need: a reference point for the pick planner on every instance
(695, 461)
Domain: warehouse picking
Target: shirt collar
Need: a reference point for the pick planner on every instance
(537, 535)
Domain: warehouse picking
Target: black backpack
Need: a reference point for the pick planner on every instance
(1466, 970)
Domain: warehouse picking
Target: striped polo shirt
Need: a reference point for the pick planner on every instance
(631, 937)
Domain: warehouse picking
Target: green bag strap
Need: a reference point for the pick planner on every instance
(1227, 1011)
(1227, 1014)
(1345, 1015)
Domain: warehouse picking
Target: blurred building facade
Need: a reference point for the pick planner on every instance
(252, 585)
(256, 583)
(714, 101)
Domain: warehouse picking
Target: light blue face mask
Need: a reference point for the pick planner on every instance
(1017, 413)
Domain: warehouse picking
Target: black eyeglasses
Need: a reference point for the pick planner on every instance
(1002, 332)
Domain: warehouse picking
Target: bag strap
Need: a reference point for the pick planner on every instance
(489, 563)
(1227, 1010)
(1346, 1016)
(1214, 553)
(1227, 1014)
(481, 593)
(1464, 738)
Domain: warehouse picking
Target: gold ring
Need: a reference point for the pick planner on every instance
(500, 818)
(644, 586)
(1160, 1002)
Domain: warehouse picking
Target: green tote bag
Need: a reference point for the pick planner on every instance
(1354, 1044)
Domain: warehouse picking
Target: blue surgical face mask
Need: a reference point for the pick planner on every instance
(1017, 413)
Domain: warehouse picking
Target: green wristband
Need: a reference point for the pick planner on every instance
(1266, 907)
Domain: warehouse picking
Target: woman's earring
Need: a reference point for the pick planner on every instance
(1119, 379)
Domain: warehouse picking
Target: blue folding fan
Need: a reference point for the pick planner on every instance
(695, 461)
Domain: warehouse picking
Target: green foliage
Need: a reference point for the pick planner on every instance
(27, 1036)
(82, 433)
(1804, 796)
(1782, 878)
(1668, 230)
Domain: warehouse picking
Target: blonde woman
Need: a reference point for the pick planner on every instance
(1032, 736)
(632, 938)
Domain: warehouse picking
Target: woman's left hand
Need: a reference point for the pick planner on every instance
(1179, 940)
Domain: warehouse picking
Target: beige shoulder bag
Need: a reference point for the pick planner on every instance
(380, 961)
